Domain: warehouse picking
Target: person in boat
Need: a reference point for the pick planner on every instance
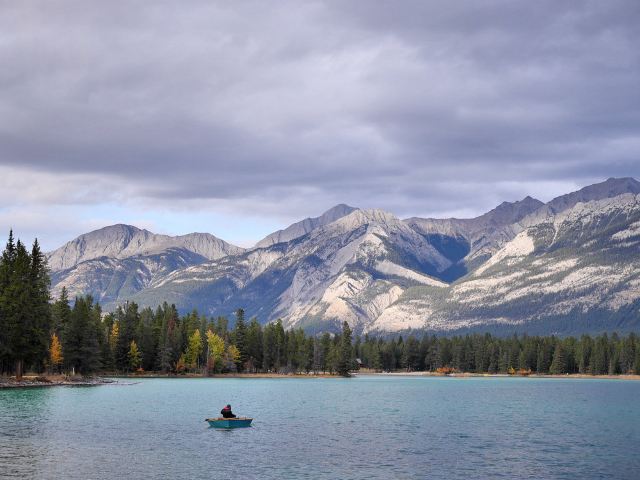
(227, 413)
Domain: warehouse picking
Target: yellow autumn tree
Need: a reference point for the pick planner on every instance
(194, 350)
(135, 357)
(233, 354)
(113, 336)
(181, 365)
(215, 351)
(55, 353)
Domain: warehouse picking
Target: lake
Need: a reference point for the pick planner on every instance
(364, 427)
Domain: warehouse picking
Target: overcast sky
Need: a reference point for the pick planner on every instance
(238, 118)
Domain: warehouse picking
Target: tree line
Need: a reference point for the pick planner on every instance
(78, 338)
(132, 339)
(24, 307)
(600, 355)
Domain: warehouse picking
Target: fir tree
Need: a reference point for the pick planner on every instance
(344, 360)
(80, 342)
(60, 312)
(7, 262)
(559, 363)
(254, 345)
(128, 318)
(240, 338)
(16, 306)
(40, 308)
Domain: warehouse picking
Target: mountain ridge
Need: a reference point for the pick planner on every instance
(367, 267)
(122, 241)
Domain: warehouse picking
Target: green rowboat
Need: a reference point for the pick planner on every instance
(220, 422)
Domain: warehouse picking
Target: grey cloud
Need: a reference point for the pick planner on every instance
(413, 106)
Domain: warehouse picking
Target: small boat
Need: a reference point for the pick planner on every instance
(221, 422)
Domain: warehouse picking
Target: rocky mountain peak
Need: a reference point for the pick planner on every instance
(123, 241)
(305, 226)
(610, 188)
(508, 213)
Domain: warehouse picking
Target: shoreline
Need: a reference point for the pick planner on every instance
(37, 381)
(105, 379)
(506, 375)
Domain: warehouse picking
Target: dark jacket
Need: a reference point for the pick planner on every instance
(227, 413)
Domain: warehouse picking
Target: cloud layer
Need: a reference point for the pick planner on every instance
(278, 110)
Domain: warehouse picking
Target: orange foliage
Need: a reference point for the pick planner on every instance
(446, 370)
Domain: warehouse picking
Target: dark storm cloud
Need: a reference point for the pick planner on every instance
(288, 107)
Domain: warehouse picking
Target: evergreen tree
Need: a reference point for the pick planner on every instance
(545, 355)
(344, 360)
(80, 342)
(411, 354)
(559, 363)
(40, 308)
(240, 338)
(6, 272)
(583, 353)
(168, 351)
(147, 336)
(254, 345)
(16, 307)
(60, 312)
(128, 318)
(599, 363)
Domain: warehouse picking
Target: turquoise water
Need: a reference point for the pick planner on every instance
(366, 427)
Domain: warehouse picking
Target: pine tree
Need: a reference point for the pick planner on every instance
(128, 318)
(147, 336)
(60, 312)
(254, 345)
(344, 360)
(169, 342)
(6, 272)
(40, 308)
(80, 341)
(240, 338)
(559, 363)
(16, 305)
(599, 364)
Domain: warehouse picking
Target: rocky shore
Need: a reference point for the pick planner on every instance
(52, 381)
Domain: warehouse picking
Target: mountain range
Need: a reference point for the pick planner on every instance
(570, 265)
